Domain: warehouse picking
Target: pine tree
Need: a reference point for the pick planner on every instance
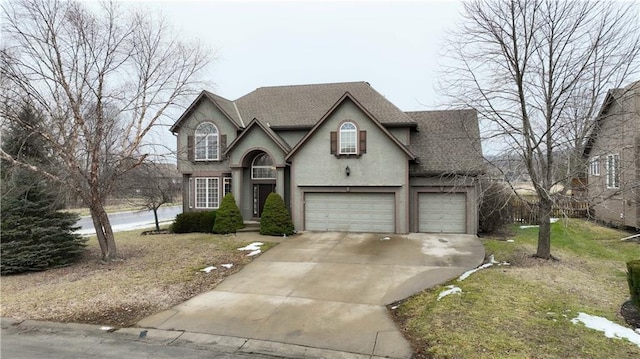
(228, 217)
(275, 220)
(35, 236)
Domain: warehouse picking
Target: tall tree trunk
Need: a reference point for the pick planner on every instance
(155, 214)
(544, 235)
(104, 233)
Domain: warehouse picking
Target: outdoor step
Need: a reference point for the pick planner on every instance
(250, 227)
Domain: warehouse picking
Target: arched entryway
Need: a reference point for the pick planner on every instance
(263, 180)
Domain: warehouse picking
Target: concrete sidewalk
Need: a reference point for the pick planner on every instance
(323, 294)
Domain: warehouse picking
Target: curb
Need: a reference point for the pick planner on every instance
(217, 343)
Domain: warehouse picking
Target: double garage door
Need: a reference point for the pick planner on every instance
(442, 212)
(350, 212)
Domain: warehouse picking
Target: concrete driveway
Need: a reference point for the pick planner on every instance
(326, 290)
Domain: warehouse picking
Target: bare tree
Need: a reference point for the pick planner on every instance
(103, 79)
(536, 71)
(151, 185)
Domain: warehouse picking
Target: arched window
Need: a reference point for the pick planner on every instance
(262, 167)
(348, 139)
(206, 142)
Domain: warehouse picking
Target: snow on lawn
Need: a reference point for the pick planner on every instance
(492, 261)
(253, 247)
(452, 289)
(208, 269)
(551, 220)
(228, 266)
(610, 329)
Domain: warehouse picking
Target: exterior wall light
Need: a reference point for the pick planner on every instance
(347, 170)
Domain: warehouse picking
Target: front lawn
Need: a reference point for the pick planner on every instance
(156, 273)
(524, 310)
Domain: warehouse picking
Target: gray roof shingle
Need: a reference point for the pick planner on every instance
(446, 142)
(304, 105)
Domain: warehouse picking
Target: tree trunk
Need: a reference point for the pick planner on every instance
(544, 235)
(155, 214)
(104, 233)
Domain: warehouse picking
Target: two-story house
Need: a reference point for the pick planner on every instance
(612, 152)
(341, 155)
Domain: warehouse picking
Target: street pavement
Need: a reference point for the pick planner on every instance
(36, 340)
(326, 291)
(125, 221)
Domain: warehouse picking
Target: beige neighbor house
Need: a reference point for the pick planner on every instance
(342, 156)
(613, 154)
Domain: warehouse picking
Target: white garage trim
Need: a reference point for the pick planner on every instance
(442, 212)
(350, 212)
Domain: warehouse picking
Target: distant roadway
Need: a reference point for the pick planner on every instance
(125, 221)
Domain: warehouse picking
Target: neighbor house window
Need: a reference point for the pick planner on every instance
(207, 193)
(348, 139)
(262, 167)
(206, 142)
(226, 185)
(613, 171)
(594, 166)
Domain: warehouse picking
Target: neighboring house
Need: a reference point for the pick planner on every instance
(342, 156)
(613, 156)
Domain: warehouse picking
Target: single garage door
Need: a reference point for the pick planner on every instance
(350, 212)
(442, 212)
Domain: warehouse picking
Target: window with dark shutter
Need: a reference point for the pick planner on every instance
(223, 144)
(363, 142)
(190, 149)
(334, 142)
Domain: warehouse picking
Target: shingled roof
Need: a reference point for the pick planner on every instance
(446, 142)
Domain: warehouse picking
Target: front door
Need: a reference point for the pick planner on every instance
(260, 193)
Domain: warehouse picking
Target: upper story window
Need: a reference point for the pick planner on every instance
(594, 166)
(206, 142)
(348, 139)
(613, 171)
(262, 167)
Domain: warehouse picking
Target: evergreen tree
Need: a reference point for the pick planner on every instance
(275, 220)
(228, 217)
(35, 236)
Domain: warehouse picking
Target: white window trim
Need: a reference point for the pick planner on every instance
(214, 187)
(207, 156)
(272, 167)
(594, 166)
(355, 136)
(613, 175)
(226, 183)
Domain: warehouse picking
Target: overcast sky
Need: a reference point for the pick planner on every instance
(392, 45)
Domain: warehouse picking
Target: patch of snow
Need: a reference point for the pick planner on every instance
(510, 240)
(106, 329)
(395, 307)
(452, 289)
(256, 252)
(385, 238)
(553, 220)
(252, 247)
(610, 329)
(525, 227)
(208, 269)
(491, 262)
(228, 266)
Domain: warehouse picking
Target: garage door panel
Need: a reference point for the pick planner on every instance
(442, 212)
(351, 212)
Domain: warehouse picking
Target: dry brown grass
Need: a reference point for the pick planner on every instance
(155, 273)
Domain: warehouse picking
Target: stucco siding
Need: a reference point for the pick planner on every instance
(383, 165)
(291, 137)
(401, 133)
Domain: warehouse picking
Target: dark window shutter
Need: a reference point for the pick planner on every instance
(223, 145)
(334, 142)
(190, 149)
(363, 142)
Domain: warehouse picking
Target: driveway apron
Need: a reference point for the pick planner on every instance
(326, 290)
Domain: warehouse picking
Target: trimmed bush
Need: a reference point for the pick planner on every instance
(228, 217)
(633, 277)
(275, 220)
(495, 207)
(189, 222)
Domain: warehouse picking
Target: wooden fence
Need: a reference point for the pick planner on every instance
(527, 211)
